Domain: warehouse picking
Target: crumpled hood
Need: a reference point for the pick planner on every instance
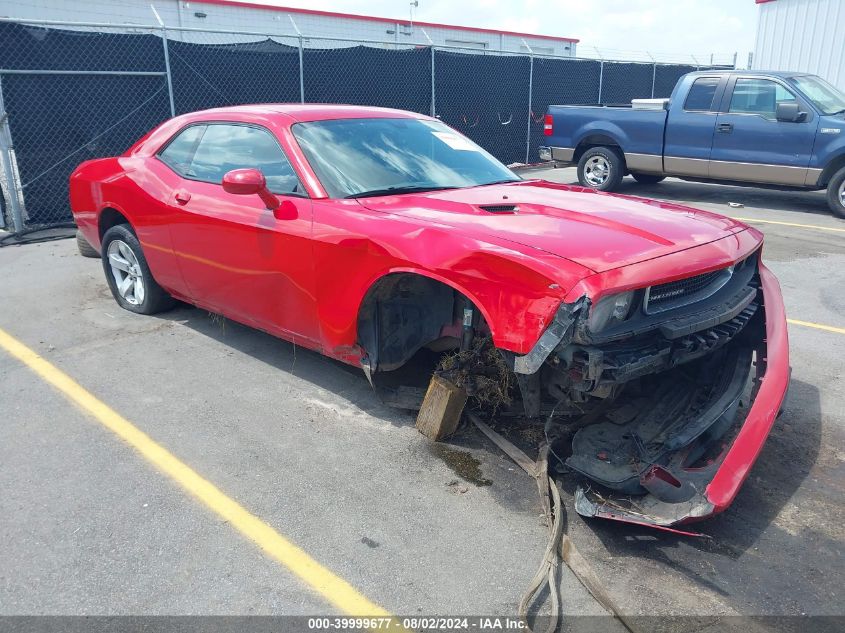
(597, 230)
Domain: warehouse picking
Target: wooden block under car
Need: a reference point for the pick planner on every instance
(441, 409)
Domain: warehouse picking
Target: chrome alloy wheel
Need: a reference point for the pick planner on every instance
(596, 171)
(127, 272)
(842, 193)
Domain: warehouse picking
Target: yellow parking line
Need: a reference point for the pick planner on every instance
(817, 326)
(803, 226)
(336, 590)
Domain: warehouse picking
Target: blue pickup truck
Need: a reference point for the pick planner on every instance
(775, 129)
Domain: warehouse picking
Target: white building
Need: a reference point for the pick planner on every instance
(802, 35)
(240, 15)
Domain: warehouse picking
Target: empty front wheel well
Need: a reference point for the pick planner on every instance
(832, 168)
(404, 312)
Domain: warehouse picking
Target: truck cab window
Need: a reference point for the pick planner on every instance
(701, 93)
(759, 96)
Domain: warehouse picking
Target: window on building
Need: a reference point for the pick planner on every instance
(467, 44)
(701, 93)
(759, 96)
(538, 50)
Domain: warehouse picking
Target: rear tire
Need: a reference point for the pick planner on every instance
(128, 275)
(601, 168)
(647, 179)
(85, 249)
(836, 193)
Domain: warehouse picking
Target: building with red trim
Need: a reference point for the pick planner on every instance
(802, 35)
(246, 15)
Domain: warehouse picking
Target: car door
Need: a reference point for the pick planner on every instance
(689, 129)
(750, 144)
(236, 256)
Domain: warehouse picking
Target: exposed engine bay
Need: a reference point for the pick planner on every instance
(643, 395)
(640, 394)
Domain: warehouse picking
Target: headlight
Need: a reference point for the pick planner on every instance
(610, 310)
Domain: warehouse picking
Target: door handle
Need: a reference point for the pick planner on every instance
(182, 197)
(725, 128)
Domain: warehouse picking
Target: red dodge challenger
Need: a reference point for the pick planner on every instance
(370, 234)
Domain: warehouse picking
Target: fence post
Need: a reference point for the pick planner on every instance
(601, 79)
(431, 47)
(653, 72)
(166, 61)
(697, 64)
(7, 158)
(301, 61)
(530, 97)
(433, 92)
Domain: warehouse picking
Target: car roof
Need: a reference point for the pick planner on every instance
(783, 74)
(305, 112)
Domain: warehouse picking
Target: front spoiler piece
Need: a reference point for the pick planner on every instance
(733, 466)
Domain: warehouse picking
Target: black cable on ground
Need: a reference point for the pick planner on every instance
(560, 546)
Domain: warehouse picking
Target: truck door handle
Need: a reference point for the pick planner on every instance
(182, 197)
(725, 128)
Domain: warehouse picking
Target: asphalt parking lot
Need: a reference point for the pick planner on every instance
(89, 524)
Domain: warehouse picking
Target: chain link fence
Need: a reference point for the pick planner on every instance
(72, 92)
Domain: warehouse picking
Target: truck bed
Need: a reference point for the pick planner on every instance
(640, 131)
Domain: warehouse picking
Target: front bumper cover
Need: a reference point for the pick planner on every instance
(719, 482)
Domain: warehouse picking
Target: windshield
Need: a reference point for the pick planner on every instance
(825, 97)
(359, 157)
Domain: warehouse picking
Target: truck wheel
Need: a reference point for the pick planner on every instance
(85, 249)
(647, 179)
(601, 168)
(128, 275)
(836, 193)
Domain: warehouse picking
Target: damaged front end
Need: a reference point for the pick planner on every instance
(663, 396)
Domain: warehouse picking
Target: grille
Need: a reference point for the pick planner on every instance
(664, 294)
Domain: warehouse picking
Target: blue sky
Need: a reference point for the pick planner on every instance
(665, 27)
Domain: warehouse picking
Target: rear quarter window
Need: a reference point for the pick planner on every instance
(701, 93)
(178, 153)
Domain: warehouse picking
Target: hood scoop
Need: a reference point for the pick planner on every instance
(499, 208)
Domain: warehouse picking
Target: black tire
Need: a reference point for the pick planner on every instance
(836, 193)
(609, 177)
(647, 179)
(150, 298)
(85, 249)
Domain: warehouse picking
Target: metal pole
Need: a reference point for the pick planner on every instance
(653, 73)
(166, 61)
(301, 61)
(7, 157)
(530, 97)
(433, 108)
(301, 73)
(697, 64)
(116, 73)
(431, 46)
(601, 79)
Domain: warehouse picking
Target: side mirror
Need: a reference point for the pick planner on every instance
(789, 112)
(249, 182)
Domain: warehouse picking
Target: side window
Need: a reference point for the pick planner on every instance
(223, 148)
(758, 96)
(701, 93)
(177, 155)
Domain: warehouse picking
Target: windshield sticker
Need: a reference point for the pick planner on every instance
(456, 142)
